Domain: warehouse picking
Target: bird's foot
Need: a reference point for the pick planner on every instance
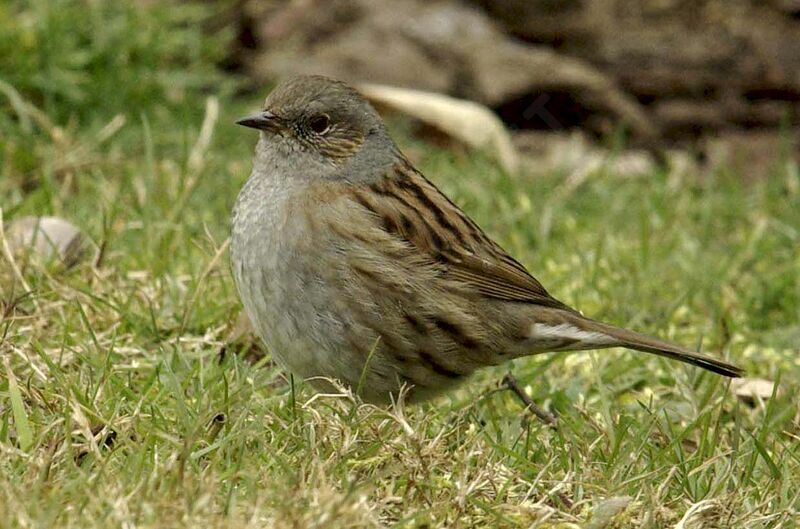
(510, 382)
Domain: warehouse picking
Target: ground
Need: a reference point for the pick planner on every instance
(119, 407)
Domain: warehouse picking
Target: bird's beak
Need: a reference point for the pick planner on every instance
(264, 120)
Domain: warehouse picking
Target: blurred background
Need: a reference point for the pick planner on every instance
(709, 82)
(719, 77)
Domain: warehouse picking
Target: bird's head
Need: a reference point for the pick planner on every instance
(316, 122)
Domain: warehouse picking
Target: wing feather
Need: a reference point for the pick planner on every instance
(411, 208)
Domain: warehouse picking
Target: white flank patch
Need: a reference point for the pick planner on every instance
(565, 330)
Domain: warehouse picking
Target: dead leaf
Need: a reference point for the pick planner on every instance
(466, 121)
(242, 337)
(242, 329)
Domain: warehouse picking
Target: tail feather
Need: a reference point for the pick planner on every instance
(641, 342)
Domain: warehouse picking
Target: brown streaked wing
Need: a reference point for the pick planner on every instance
(449, 237)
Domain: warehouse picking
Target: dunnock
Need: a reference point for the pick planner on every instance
(353, 266)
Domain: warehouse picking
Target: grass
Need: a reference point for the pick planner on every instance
(117, 409)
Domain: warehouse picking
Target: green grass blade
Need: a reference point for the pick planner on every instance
(24, 434)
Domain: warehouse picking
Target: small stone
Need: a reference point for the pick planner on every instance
(48, 238)
(752, 389)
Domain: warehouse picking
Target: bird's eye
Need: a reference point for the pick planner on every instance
(320, 124)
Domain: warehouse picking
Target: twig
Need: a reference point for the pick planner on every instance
(511, 383)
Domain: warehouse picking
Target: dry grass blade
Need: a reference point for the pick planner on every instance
(9, 257)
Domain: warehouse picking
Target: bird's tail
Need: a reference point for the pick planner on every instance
(589, 334)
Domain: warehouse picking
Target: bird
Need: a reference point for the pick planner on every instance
(353, 266)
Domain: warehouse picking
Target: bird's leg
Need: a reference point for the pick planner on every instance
(511, 383)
